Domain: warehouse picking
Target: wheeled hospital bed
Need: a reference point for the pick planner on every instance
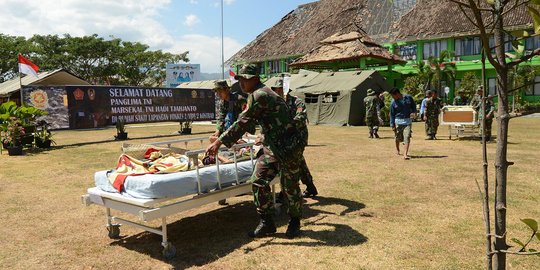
(157, 196)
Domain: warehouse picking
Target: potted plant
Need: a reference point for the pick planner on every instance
(43, 136)
(121, 133)
(11, 135)
(27, 116)
(185, 127)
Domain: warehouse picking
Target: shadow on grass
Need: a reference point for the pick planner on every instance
(418, 157)
(206, 237)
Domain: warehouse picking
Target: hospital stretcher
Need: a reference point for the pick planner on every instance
(462, 121)
(159, 209)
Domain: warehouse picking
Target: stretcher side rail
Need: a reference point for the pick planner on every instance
(185, 141)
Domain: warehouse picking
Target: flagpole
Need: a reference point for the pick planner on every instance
(222, 46)
(21, 89)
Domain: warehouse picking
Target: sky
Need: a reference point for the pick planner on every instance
(169, 25)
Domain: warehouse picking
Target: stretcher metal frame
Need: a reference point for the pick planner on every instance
(154, 209)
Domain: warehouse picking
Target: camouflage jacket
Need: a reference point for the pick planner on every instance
(458, 101)
(229, 110)
(476, 102)
(490, 109)
(373, 106)
(433, 107)
(297, 111)
(271, 112)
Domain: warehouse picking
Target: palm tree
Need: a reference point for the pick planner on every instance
(442, 69)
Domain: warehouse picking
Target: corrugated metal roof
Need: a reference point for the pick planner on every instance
(55, 77)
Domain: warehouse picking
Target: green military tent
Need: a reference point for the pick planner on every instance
(337, 98)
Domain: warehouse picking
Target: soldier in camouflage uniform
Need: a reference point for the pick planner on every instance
(461, 99)
(431, 115)
(476, 101)
(230, 106)
(489, 113)
(373, 106)
(282, 151)
(298, 112)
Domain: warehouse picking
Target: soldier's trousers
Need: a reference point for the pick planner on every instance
(305, 174)
(432, 125)
(266, 169)
(373, 123)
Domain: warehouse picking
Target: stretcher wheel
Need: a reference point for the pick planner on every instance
(169, 251)
(114, 231)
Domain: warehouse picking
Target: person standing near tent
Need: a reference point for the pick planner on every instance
(402, 112)
(373, 107)
(281, 152)
(431, 115)
(298, 112)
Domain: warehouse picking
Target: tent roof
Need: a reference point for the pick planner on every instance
(335, 82)
(209, 84)
(297, 80)
(55, 77)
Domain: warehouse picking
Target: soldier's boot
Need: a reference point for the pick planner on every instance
(293, 230)
(311, 191)
(266, 227)
(376, 134)
(371, 134)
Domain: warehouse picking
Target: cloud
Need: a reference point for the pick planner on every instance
(130, 20)
(193, 2)
(206, 50)
(191, 20)
(133, 20)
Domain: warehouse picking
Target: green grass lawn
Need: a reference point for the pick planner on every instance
(375, 210)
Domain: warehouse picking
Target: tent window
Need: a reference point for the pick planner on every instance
(312, 98)
(330, 98)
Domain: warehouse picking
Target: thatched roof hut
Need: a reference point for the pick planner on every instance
(347, 50)
(301, 30)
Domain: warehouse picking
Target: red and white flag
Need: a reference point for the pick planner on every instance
(27, 67)
(231, 76)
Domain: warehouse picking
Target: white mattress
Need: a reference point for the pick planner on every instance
(155, 186)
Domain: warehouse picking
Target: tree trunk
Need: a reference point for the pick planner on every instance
(503, 118)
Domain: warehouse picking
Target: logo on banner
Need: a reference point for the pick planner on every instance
(39, 99)
(193, 94)
(78, 94)
(91, 94)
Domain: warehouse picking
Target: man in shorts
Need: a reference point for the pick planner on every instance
(402, 112)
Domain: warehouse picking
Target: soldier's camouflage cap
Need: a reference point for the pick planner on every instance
(220, 84)
(370, 92)
(278, 84)
(247, 72)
